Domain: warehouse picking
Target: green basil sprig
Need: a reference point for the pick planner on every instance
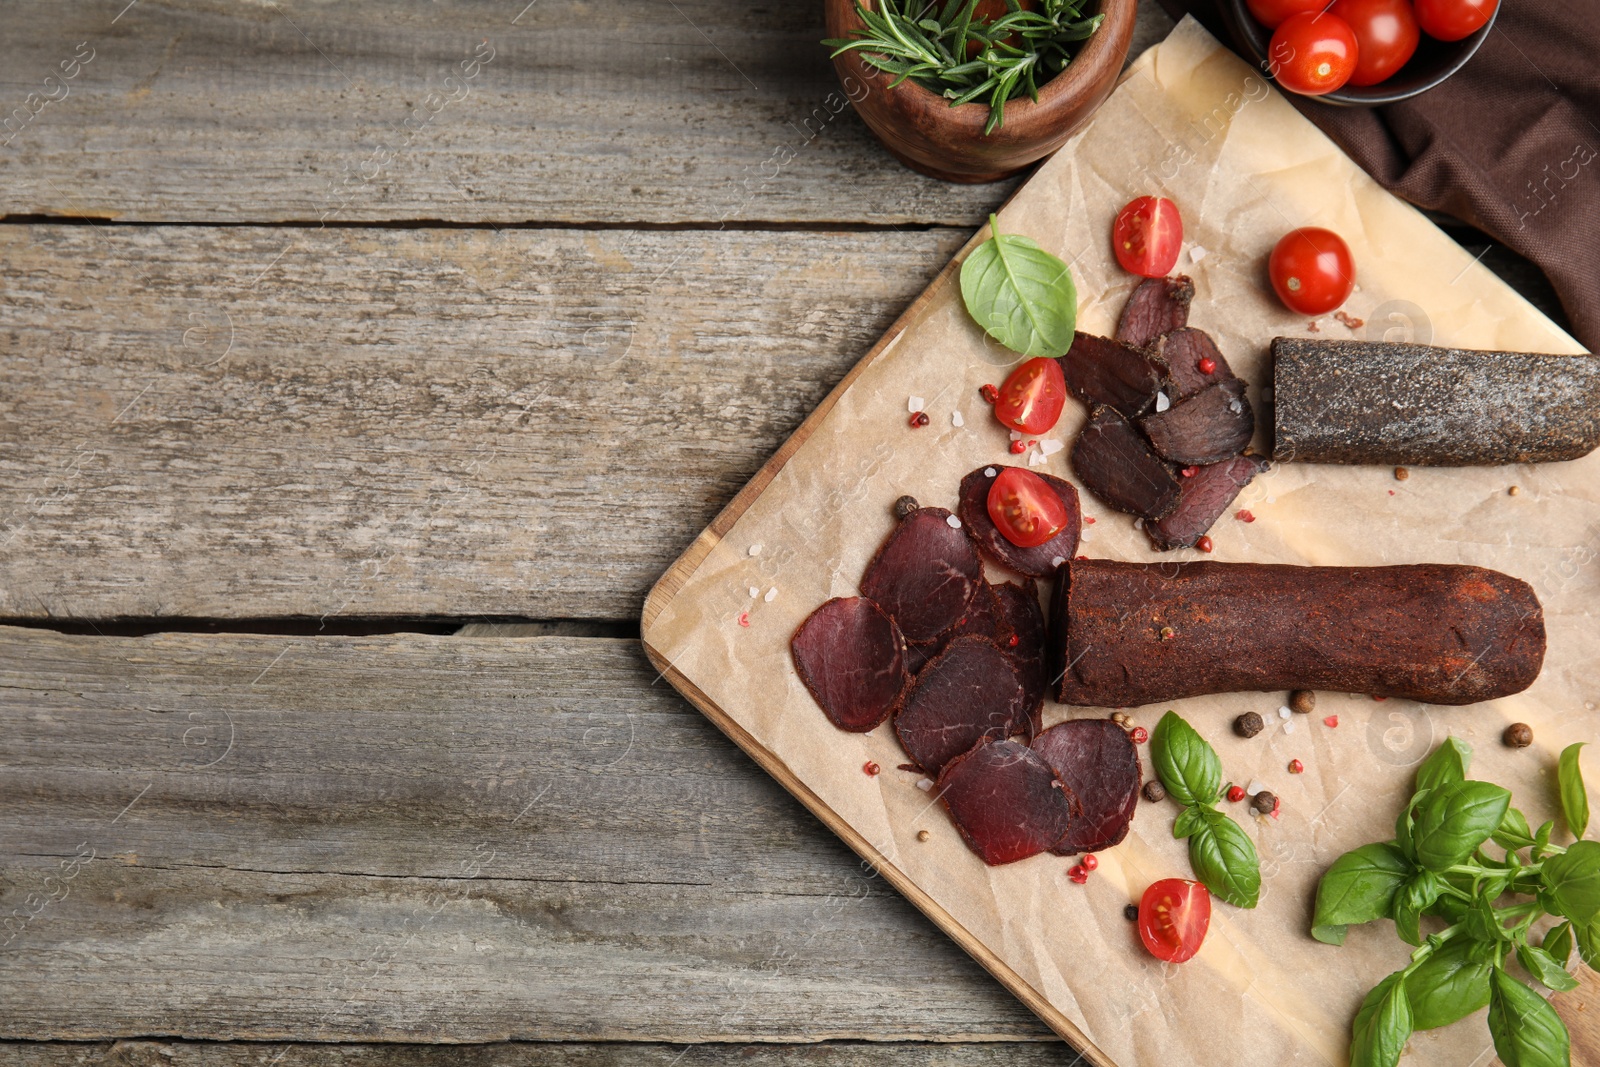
(1437, 869)
(1223, 856)
(1020, 294)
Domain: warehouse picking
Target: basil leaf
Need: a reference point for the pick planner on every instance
(1574, 798)
(1453, 820)
(1573, 881)
(1224, 858)
(1544, 967)
(1020, 294)
(1588, 939)
(1448, 764)
(1383, 1025)
(1483, 923)
(1558, 942)
(1189, 820)
(1450, 984)
(1527, 1031)
(1186, 764)
(1420, 890)
(1513, 832)
(1404, 822)
(1359, 887)
(1541, 838)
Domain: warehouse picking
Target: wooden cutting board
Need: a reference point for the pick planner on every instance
(1192, 122)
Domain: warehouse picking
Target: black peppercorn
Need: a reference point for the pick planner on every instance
(1153, 791)
(1518, 735)
(1248, 725)
(904, 506)
(1264, 802)
(1131, 913)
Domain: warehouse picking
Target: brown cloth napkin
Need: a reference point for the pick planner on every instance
(1509, 144)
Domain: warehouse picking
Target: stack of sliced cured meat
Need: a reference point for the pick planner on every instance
(958, 664)
(1169, 421)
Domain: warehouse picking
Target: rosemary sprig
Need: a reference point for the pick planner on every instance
(943, 47)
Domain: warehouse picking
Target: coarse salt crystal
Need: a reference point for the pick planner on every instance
(915, 404)
(955, 523)
(1050, 448)
(1284, 712)
(754, 592)
(1196, 253)
(1016, 435)
(1056, 561)
(956, 419)
(1288, 727)
(1234, 406)
(989, 472)
(1036, 458)
(1083, 534)
(1163, 402)
(1255, 786)
(924, 784)
(771, 595)
(1138, 524)
(755, 550)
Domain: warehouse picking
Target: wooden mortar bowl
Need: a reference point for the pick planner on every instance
(922, 130)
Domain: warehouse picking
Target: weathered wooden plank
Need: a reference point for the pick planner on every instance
(867, 1054)
(426, 839)
(709, 110)
(243, 422)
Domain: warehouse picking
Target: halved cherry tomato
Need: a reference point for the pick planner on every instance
(1174, 916)
(1032, 397)
(1147, 236)
(1451, 20)
(1025, 508)
(1312, 270)
(1272, 13)
(1386, 36)
(1312, 54)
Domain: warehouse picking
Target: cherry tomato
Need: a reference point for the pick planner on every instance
(1272, 13)
(1025, 508)
(1174, 916)
(1147, 236)
(1311, 271)
(1032, 397)
(1451, 20)
(1386, 36)
(1313, 54)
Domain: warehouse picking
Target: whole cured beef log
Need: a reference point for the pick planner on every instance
(1097, 761)
(1040, 561)
(851, 658)
(925, 574)
(1204, 498)
(1117, 464)
(1102, 371)
(1360, 402)
(1019, 605)
(1157, 306)
(1006, 802)
(970, 691)
(1124, 634)
(1210, 426)
(1183, 351)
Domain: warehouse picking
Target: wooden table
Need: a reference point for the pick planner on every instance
(363, 366)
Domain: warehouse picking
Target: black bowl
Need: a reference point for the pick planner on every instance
(1434, 62)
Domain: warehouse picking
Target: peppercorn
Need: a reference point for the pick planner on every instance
(1018, 448)
(923, 835)
(1154, 792)
(918, 419)
(989, 393)
(1235, 793)
(904, 507)
(1302, 701)
(1121, 719)
(1248, 725)
(1090, 862)
(1204, 544)
(1138, 735)
(1296, 767)
(1131, 913)
(1401, 474)
(1518, 735)
(1264, 802)
(1514, 490)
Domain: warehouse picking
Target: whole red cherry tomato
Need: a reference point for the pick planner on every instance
(1386, 36)
(1147, 236)
(1025, 508)
(1032, 397)
(1313, 54)
(1272, 13)
(1312, 271)
(1174, 916)
(1451, 20)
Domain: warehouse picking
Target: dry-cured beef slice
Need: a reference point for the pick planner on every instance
(1182, 351)
(970, 691)
(925, 574)
(1098, 763)
(983, 619)
(1019, 604)
(1102, 371)
(851, 658)
(1208, 427)
(1204, 499)
(1040, 561)
(1157, 306)
(1006, 801)
(1117, 464)
(1124, 634)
